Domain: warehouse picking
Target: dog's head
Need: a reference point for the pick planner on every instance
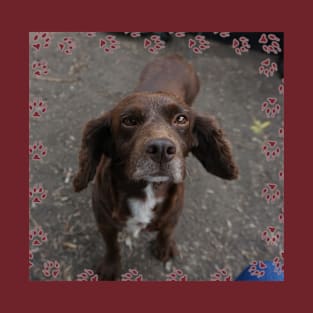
(148, 136)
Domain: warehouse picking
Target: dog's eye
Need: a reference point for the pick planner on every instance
(181, 120)
(129, 121)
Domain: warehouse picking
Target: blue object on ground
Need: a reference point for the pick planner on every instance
(270, 273)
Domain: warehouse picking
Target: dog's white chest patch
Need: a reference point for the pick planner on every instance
(141, 211)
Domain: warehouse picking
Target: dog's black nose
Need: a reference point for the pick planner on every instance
(161, 150)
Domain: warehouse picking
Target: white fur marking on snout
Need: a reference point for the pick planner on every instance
(157, 179)
(141, 211)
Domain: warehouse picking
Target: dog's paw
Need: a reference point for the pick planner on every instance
(164, 252)
(109, 270)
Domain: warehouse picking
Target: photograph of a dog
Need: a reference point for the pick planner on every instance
(137, 151)
(153, 163)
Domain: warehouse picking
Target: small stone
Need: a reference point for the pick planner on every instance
(169, 266)
(229, 224)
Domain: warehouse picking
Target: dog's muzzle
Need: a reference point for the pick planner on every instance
(160, 161)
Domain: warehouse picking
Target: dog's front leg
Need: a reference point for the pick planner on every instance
(164, 246)
(109, 268)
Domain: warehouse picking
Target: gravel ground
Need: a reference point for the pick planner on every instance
(222, 221)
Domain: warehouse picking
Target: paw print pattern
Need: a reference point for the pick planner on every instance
(67, 45)
(270, 235)
(281, 216)
(176, 275)
(91, 34)
(271, 193)
(267, 68)
(221, 275)
(281, 174)
(178, 34)
(198, 44)
(51, 269)
(37, 194)
(281, 132)
(154, 44)
(281, 87)
(87, 275)
(37, 150)
(257, 268)
(109, 44)
(31, 256)
(270, 107)
(133, 34)
(278, 262)
(131, 275)
(270, 43)
(37, 107)
(40, 68)
(41, 40)
(222, 34)
(37, 236)
(271, 150)
(241, 46)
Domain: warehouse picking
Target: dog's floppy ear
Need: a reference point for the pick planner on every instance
(96, 141)
(212, 149)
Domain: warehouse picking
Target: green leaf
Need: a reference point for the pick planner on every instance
(257, 127)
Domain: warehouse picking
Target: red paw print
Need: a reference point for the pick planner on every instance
(177, 275)
(270, 43)
(40, 68)
(281, 175)
(37, 107)
(242, 45)
(37, 193)
(66, 45)
(37, 236)
(270, 107)
(133, 34)
(267, 68)
(51, 269)
(222, 34)
(178, 34)
(271, 235)
(270, 192)
(257, 268)
(41, 40)
(198, 44)
(91, 34)
(154, 44)
(87, 275)
(281, 87)
(281, 132)
(31, 256)
(109, 44)
(37, 150)
(221, 275)
(271, 150)
(281, 216)
(131, 275)
(278, 262)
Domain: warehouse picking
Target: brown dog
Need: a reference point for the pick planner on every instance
(137, 152)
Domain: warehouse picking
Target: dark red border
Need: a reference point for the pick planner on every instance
(18, 293)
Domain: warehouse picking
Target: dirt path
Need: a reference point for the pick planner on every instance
(222, 221)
